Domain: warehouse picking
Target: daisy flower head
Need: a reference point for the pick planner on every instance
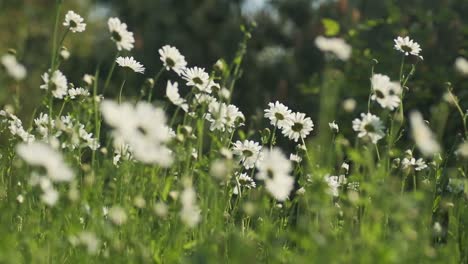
(172, 59)
(77, 92)
(243, 180)
(217, 115)
(385, 92)
(334, 183)
(120, 35)
(197, 77)
(298, 126)
(234, 117)
(412, 163)
(57, 82)
(74, 22)
(275, 170)
(369, 126)
(278, 114)
(130, 62)
(172, 92)
(334, 127)
(248, 151)
(461, 65)
(422, 135)
(407, 46)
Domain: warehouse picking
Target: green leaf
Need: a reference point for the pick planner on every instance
(332, 27)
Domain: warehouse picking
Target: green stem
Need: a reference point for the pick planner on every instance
(155, 82)
(61, 108)
(109, 75)
(401, 68)
(272, 136)
(58, 5)
(121, 88)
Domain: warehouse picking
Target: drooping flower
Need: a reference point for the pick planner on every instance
(77, 92)
(422, 135)
(334, 127)
(248, 151)
(298, 126)
(385, 92)
(243, 181)
(57, 83)
(369, 126)
(172, 59)
(407, 46)
(275, 170)
(74, 22)
(120, 35)
(278, 114)
(130, 62)
(172, 92)
(336, 46)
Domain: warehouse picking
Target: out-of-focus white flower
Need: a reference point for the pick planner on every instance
(462, 150)
(334, 183)
(422, 135)
(336, 46)
(349, 105)
(295, 158)
(13, 68)
(41, 154)
(461, 65)
(117, 215)
(141, 127)
(412, 163)
(190, 212)
(334, 127)
(120, 35)
(369, 126)
(275, 170)
(385, 92)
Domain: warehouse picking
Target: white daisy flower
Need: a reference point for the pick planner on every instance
(41, 154)
(385, 92)
(77, 92)
(278, 114)
(334, 183)
(50, 196)
(334, 127)
(57, 83)
(369, 126)
(172, 92)
(298, 126)
(461, 65)
(16, 70)
(275, 170)
(422, 135)
(120, 35)
(412, 163)
(243, 180)
(234, 118)
(172, 59)
(336, 46)
(117, 215)
(407, 46)
(295, 158)
(216, 115)
(248, 152)
(197, 77)
(74, 22)
(16, 127)
(143, 128)
(130, 62)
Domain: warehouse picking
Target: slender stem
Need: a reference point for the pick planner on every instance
(58, 5)
(97, 121)
(155, 82)
(401, 68)
(272, 136)
(371, 90)
(121, 88)
(61, 108)
(305, 147)
(109, 75)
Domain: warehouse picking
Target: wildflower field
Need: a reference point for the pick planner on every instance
(111, 159)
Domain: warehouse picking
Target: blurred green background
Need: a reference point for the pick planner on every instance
(282, 62)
